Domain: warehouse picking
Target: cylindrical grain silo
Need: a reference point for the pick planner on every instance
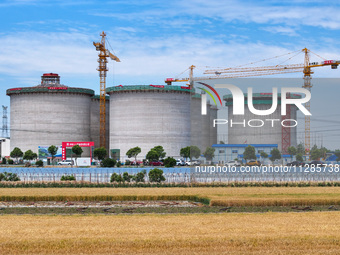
(262, 129)
(203, 134)
(148, 116)
(49, 114)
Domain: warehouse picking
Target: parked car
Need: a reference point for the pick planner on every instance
(66, 162)
(253, 163)
(315, 163)
(232, 163)
(195, 163)
(156, 163)
(139, 162)
(180, 162)
(296, 163)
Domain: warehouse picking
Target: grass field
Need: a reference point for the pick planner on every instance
(237, 233)
(226, 196)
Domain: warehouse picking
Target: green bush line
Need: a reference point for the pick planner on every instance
(74, 184)
(104, 198)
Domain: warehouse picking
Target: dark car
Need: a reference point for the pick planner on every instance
(316, 163)
(156, 163)
(296, 163)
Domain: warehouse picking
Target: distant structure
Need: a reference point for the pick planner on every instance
(278, 134)
(4, 122)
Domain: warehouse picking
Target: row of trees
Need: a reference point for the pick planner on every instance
(249, 153)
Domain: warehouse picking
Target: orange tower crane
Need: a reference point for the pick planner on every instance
(236, 72)
(104, 53)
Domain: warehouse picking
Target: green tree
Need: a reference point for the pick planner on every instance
(100, 153)
(185, 152)
(300, 149)
(152, 155)
(299, 157)
(292, 151)
(160, 150)
(156, 175)
(249, 153)
(108, 162)
(53, 151)
(16, 153)
(323, 152)
(209, 153)
(315, 153)
(275, 154)
(140, 176)
(126, 177)
(337, 153)
(133, 152)
(169, 162)
(77, 150)
(39, 163)
(263, 154)
(195, 152)
(29, 155)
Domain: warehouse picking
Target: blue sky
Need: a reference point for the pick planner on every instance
(160, 39)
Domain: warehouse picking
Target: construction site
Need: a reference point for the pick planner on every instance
(173, 116)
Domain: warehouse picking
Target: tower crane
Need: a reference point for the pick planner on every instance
(236, 72)
(104, 53)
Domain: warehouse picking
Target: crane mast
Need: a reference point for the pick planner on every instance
(236, 72)
(102, 68)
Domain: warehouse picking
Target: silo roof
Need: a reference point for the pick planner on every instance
(51, 89)
(122, 88)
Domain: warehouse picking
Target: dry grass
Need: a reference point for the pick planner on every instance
(246, 196)
(269, 233)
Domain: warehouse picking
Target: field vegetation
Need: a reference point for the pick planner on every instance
(221, 196)
(236, 233)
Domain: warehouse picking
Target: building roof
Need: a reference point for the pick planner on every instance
(243, 145)
(124, 88)
(51, 89)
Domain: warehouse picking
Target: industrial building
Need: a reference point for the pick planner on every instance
(137, 115)
(266, 129)
(49, 114)
(151, 115)
(5, 147)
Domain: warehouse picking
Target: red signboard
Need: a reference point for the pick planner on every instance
(16, 89)
(157, 86)
(57, 88)
(185, 87)
(71, 144)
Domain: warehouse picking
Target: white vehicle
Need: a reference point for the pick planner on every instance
(179, 162)
(232, 163)
(67, 162)
(192, 163)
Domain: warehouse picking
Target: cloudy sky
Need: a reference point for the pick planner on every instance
(160, 39)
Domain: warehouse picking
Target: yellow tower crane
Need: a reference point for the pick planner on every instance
(236, 72)
(104, 53)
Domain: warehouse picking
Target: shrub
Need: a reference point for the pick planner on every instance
(4, 161)
(140, 176)
(169, 162)
(127, 162)
(126, 177)
(156, 175)
(10, 161)
(108, 162)
(118, 164)
(9, 177)
(68, 178)
(116, 178)
(39, 163)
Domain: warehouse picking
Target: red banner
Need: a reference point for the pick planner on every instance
(57, 88)
(16, 89)
(157, 86)
(71, 144)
